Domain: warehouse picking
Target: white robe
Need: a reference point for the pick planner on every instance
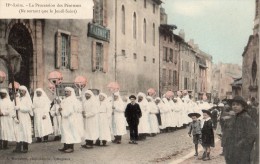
(144, 126)
(180, 105)
(56, 119)
(153, 119)
(69, 131)
(42, 127)
(163, 111)
(23, 130)
(91, 120)
(118, 119)
(79, 119)
(6, 121)
(104, 115)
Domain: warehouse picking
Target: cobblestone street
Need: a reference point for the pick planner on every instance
(164, 148)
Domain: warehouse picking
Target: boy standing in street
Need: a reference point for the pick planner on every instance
(195, 128)
(132, 114)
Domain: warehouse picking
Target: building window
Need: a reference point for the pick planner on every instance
(144, 31)
(134, 56)
(123, 19)
(164, 77)
(170, 77)
(193, 84)
(153, 34)
(145, 58)
(171, 55)
(153, 60)
(185, 83)
(99, 56)
(65, 51)
(134, 26)
(182, 66)
(165, 55)
(123, 53)
(144, 3)
(194, 67)
(175, 78)
(154, 8)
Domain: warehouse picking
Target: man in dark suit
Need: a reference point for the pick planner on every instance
(132, 114)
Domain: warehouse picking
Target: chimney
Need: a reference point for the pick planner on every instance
(182, 34)
(163, 16)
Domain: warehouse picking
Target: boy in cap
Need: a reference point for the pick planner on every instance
(195, 128)
(207, 134)
(132, 114)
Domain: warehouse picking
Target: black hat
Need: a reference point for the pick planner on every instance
(206, 111)
(132, 97)
(238, 99)
(194, 114)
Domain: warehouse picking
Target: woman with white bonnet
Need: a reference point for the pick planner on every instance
(6, 120)
(42, 120)
(153, 119)
(118, 118)
(90, 116)
(23, 124)
(69, 127)
(103, 120)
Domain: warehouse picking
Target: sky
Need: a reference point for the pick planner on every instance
(221, 28)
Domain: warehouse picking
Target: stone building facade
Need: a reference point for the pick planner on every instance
(250, 65)
(223, 76)
(107, 48)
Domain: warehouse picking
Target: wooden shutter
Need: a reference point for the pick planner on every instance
(94, 56)
(105, 57)
(74, 53)
(58, 50)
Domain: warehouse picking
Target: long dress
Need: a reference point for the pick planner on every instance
(56, 119)
(103, 116)
(23, 130)
(69, 131)
(42, 127)
(91, 121)
(6, 121)
(153, 119)
(144, 126)
(118, 119)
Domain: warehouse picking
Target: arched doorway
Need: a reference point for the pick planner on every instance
(20, 39)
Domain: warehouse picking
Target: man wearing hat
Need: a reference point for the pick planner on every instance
(242, 134)
(207, 134)
(132, 114)
(195, 128)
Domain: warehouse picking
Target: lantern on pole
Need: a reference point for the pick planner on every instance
(151, 92)
(55, 78)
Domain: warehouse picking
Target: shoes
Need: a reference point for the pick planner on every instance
(24, 151)
(87, 146)
(131, 142)
(62, 149)
(135, 143)
(196, 154)
(68, 150)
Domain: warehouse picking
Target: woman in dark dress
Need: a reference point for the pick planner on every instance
(207, 134)
(242, 134)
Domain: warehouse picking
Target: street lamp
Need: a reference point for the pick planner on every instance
(80, 82)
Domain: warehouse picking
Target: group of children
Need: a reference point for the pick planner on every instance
(202, 132)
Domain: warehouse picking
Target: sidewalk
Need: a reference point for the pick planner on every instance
(214, 155)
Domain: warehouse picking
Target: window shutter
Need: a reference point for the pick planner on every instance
(105, 58)
(94, 56)
(74, 53)
(58, 50)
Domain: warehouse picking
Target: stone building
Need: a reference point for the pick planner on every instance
(250, 66)
(223, 75)
(169, 58)
(106, 48)
(135, 43)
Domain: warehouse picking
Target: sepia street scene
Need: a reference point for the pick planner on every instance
(141, 81)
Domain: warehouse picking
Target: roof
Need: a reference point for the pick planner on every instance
(247, 45)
